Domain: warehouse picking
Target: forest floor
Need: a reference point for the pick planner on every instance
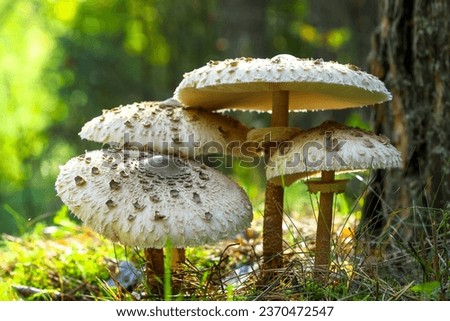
(63, 261)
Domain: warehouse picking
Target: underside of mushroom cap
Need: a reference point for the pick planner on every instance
(149, 200)
(168, 128)
(272, 134)
(248, 83)
(331, 147)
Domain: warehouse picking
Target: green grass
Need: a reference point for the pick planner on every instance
(63, 261)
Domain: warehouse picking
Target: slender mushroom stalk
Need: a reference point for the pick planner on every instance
(278, 84)
(324, 225)
(154, 267)
(325, 150)
(273, 206)
(178, 259)
(327, 187)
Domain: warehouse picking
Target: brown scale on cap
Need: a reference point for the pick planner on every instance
(111, 204)
(114, 185)
(79, 181)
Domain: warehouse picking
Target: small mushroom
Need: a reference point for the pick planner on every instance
(323, 151)
(331, 147)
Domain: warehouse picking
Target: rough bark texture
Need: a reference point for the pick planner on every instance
(410, 53)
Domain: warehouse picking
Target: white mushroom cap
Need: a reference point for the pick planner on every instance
(151, 200)
(331, 147)
(167, 128)
(248, 83)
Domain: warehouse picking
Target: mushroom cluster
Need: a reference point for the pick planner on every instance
(279, 84)
(148, 191)
(151, 192)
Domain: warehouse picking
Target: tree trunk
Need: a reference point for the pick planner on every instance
(410, 53)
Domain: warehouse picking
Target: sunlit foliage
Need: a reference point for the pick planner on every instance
(63, 61)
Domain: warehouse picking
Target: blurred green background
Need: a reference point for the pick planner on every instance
(62, 62)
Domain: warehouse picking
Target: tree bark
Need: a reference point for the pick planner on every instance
(410, 53)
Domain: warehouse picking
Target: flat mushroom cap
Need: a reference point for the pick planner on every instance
(152, 200)
(167, 128)
(331, 147)
(248, 83)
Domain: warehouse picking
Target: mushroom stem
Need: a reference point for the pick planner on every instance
(273, 207)
(323, 234)
(154, 269)
(280, 108)
(178, 259)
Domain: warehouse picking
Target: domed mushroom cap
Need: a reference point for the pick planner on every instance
(331, 147)
(248, 83)
(151, 200)
(167, 128)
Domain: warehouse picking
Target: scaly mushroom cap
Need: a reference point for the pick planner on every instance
(151, 200)
(248, 83)
(331, 147)
(167, 128)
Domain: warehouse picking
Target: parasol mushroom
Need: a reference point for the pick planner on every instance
(153, 200)
(323, 151)
(279, 84)
(167, 127)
